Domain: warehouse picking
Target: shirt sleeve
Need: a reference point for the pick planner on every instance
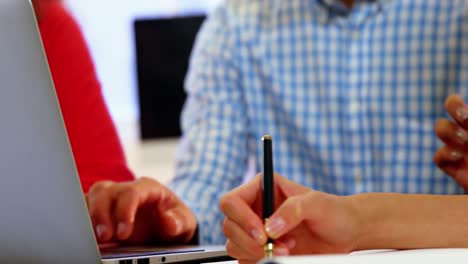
(213, 153)
(94, 141)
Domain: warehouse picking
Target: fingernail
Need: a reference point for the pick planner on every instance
(462, 113)
(258, 236)
(100, 231)
(177, 221)
(462, 136)
(178, 224)
(290, 243)
(455, 155)
(280, 251)
(121, 228)
(274, 226)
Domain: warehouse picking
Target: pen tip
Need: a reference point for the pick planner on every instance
(266, 137)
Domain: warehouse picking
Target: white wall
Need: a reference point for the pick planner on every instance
(107, 26)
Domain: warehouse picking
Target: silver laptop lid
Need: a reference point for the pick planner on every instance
(43, 214)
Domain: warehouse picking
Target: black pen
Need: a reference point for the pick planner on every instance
(268, 188)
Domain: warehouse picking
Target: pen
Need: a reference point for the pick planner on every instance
(268, 188)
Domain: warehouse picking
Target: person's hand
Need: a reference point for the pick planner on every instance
(304, 222)
(451, 158)
(141, 211)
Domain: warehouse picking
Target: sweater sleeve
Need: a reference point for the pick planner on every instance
(94, 141)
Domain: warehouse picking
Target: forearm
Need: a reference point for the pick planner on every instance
(403, 221)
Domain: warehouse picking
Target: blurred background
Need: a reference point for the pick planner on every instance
(141, 50)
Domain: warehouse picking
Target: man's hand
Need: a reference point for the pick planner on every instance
(141, 211)
(305, 221)
(451, 158)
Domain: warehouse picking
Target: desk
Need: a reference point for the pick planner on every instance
(225, 262)
(424, 256)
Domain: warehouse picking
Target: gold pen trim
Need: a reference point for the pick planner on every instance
(268, 249)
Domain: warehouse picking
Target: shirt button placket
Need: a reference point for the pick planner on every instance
(355, 110)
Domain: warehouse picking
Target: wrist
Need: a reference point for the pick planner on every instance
(365, 220)
(356, 220)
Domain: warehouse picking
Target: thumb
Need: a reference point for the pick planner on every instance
(296, 209)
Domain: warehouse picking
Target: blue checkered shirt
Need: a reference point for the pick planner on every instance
(349, 96)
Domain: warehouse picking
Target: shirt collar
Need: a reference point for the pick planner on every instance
(332, 9)
(338, 4)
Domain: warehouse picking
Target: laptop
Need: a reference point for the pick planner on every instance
(44, 218)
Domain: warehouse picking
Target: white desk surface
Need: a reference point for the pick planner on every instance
(426, 256)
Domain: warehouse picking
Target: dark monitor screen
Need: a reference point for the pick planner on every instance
(163, 47)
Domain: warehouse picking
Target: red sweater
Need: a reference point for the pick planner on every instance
(94, 141)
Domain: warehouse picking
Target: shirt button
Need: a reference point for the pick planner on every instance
(358, 176)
